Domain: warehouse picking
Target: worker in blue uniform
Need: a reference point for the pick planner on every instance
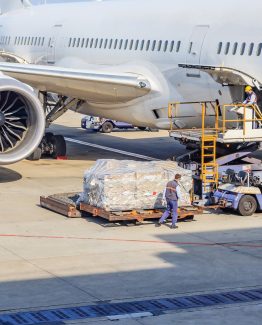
(172, 195)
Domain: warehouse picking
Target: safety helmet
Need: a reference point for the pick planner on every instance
(248, 88)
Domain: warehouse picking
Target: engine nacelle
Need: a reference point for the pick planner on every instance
(22, 121)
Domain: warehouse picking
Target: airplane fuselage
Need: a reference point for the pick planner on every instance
(150, 38)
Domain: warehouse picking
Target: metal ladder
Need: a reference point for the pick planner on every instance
(209, 166)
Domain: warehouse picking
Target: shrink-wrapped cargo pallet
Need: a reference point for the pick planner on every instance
(125, 185)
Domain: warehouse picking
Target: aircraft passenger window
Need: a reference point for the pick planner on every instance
(49, 43)
(219, 49)
(32, 41)
(78, 42)
(83, 42)
(172, 44)
(153, 45)
(120, 44)
(159, 46)
(70, 41)
(91, 43)
(147, 45)
(43, 41)
(259, 49)
(101, 43)
(142, 45)
(110, 43)
(35, 41)
(15, 40)
(227, 48)
(39, 41)
(165, 46)
(115, 44)
(251, 48)
(243, 47)
(28, 41)
(87, 42)
(178, 46)
(18, 42)
(96, 43)
(105, 45)
(131, 44)
(74, 42)
(136, 45)
(25, 40)
(126, 44)
(190, 47)
(234, 51)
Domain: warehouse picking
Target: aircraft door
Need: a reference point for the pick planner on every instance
(52, 44)
(195, 46)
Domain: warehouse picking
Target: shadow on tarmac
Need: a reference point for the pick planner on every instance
(8, 175)
(201, 262)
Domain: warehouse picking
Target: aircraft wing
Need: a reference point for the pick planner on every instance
(95, 86)
(226, 75)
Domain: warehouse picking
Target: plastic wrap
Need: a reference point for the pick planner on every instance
(132, 185)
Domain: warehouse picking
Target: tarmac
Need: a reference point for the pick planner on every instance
(48, 261)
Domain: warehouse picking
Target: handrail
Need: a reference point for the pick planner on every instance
(225, 121)
(173, 110)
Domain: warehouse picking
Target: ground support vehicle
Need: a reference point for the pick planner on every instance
(228, 152)
(105, 125)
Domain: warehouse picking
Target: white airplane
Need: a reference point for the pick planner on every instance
(123, 60)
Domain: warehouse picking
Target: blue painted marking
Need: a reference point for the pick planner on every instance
(153, 306)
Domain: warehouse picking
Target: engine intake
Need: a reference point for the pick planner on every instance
(22, 121)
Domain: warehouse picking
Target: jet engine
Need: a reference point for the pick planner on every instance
(22, 121)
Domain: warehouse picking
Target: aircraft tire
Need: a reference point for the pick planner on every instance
(59, 146)
(36, 155)
(49, 136)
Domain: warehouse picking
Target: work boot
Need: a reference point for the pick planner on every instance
(174, 227)
(159, 224)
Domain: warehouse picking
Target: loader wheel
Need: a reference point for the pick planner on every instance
(247, 205)
(107, 127)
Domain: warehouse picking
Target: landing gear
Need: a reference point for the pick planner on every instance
(54, 106)
(51, 146)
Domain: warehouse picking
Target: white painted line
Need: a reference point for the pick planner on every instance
(134, 315)
(122, 152)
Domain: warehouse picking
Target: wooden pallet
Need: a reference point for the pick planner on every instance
(64, 204)
(137, 215)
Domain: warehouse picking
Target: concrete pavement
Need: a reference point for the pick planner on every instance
(47, 260)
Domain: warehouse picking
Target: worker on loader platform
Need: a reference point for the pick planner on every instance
(172, 195)
(248, 111)
(251, 96)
